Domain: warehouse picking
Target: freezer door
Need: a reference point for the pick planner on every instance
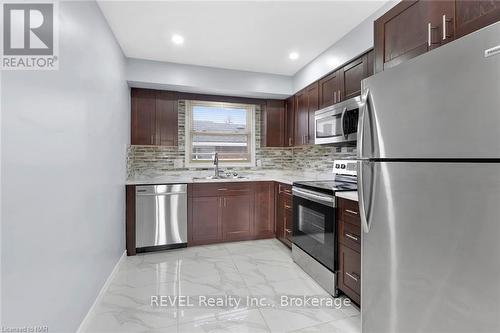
(431, 256)
(443, 104)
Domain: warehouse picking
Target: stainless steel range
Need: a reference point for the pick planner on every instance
(314, 225)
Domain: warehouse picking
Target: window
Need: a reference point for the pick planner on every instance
(225, 128)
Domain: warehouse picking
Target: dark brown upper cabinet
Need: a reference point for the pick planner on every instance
(273, 124)
(301, 118)
(313, 105)
(403, 33)
(474, 15)
(154, 117)
(166, 118)
(370, 58)
(351, 77)
(143, 116)
(289, 121)
(329, 89)
(414, 27)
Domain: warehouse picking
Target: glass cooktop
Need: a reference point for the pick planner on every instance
(327, 186)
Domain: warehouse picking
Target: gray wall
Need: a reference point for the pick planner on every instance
(353, 44)
(63, 138)
(200, 79)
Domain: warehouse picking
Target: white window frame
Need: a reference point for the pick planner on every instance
(189, 133)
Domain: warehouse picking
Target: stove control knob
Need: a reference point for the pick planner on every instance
(337, 166)
(342, 166)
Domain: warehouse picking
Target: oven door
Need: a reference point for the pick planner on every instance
(314, 225)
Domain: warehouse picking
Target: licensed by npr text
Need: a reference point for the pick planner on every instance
(236, 302)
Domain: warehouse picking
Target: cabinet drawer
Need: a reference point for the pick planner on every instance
(350, 236)
(350, 265)
(350, 212)
(287, 203)
(285, 189)
(216, 189)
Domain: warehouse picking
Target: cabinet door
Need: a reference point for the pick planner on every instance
(279, 215)
(352, 74)
(237, 217)
(143, 116)
(401, 34)
(273, 124)
(288, 220)
(290, 121)
(166, 118)
(263, 225)
(328, 90)
(411, 28)
(350, 273)
(206, 225)
(474, 15)
(301, 118)
(370, 59)
(313, 106)
(443, 22)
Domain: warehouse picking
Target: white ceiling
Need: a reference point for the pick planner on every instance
(242, 35)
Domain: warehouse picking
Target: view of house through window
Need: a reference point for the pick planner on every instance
(225, 128)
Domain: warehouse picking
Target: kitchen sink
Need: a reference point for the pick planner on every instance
(221, 178)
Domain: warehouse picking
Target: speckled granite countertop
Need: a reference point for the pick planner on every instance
(282, 176)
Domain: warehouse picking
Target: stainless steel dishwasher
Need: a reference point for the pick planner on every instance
(161, 217)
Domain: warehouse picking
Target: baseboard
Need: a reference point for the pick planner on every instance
(103, 290)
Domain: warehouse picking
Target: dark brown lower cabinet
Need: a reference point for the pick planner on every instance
(222, 212)
(284, 213)
(237, 217)
(206, 223)
(349, 249)
(350, 277)
(264, 223)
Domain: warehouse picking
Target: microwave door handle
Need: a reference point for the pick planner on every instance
(342, 122)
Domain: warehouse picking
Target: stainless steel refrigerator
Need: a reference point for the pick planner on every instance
(429, 191)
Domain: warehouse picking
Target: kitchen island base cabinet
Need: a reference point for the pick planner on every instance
(225, 212)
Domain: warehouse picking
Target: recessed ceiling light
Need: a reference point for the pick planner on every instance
(293, 56)
(177, 39)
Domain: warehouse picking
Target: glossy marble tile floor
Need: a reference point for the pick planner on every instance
(261, 274)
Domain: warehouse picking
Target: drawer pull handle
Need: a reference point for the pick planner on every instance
(355, 278)
(288, 231)
(351, 212)
(288, 207)
(351, 237)
(222, 189)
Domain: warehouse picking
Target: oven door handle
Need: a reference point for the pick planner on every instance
(313, 196)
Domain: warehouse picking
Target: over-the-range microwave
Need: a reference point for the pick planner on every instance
(338, 123)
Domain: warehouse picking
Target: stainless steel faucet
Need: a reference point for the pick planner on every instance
(216, 163)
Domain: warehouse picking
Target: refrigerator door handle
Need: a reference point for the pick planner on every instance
(362, 207)
(361, 123)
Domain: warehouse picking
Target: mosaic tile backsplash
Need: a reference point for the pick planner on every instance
(156, 159)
